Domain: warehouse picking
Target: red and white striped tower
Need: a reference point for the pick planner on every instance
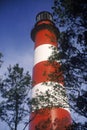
(51, 111)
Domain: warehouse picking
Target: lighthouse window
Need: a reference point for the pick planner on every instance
(47, 16)
(38, 18)
(50, 17)
(44, 16)
(41, 16)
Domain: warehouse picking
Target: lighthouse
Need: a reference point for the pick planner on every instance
(50, 109)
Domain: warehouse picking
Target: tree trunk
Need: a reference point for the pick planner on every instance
(16, 112)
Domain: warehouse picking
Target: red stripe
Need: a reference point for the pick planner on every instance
(45, 37)
(50, 118)
(42, 70)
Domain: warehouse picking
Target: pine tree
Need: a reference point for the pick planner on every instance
(70, 17)
(14, 90)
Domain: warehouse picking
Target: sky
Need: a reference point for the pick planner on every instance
(17, 18)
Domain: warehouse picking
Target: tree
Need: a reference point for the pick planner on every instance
(70, 17)
(15, 93)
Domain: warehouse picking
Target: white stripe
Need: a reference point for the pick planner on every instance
(42, 53)
(50, 94)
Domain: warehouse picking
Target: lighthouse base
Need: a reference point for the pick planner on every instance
(50, 119)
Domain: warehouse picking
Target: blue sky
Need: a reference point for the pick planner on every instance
(17, 18)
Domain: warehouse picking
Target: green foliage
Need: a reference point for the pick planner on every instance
(14, 92)
(70, 17)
